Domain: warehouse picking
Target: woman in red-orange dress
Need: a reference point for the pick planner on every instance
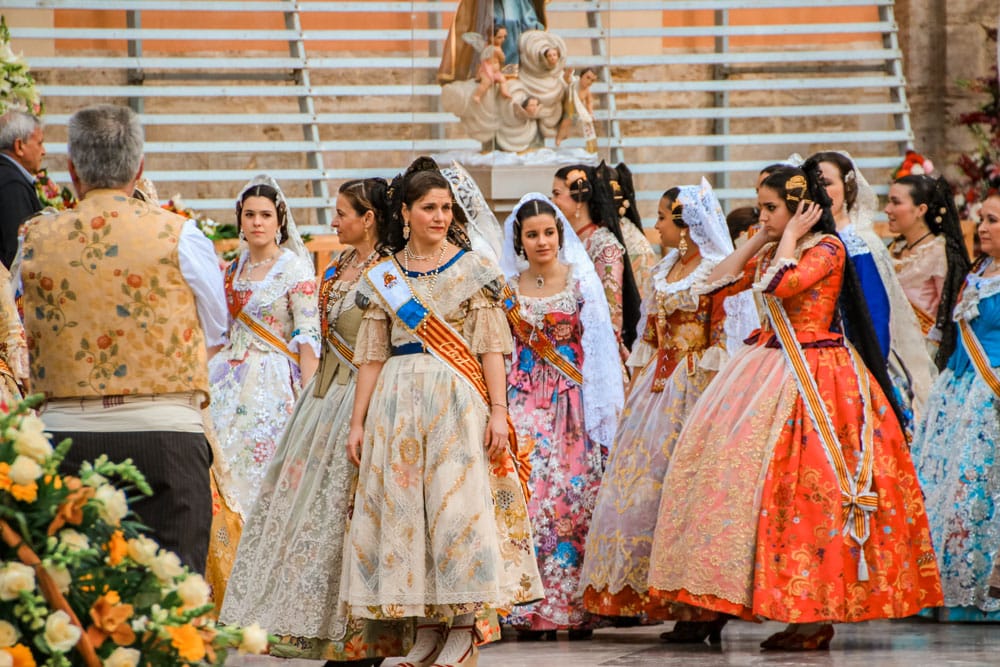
(763, 516)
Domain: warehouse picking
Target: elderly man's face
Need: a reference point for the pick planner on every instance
(30, 152)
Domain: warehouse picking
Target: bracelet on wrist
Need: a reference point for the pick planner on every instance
(498, 405)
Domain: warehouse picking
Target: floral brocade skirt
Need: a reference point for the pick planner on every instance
(957, 454)
(751, 522)
(566, 470)
(616, 568)
(438, 529)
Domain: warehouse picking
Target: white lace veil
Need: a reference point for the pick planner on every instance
(707, 227)
(905, 334)
(483, 229)
(293, 240)
(603, 389)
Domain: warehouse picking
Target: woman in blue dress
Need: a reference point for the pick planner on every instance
(957, 449)
(899, 335)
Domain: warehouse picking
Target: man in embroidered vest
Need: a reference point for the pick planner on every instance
(21, 153)
(123, 304)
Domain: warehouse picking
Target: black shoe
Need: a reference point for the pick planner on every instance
(696, 632)
(578, 634)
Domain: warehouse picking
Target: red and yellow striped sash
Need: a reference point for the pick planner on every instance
(978, 356)
(266, 335)
(541, 345)
(859, 501)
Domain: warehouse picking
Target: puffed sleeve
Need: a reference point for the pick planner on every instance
(304, 307)
(609, 262)
(788, 277)
(373, 334)
(486, 326)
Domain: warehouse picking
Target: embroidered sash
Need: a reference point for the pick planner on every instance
(924, 319)
(541, 345)
(336, 341)
(978, 356)
(256, 327)
(442, 341)
(859, 501)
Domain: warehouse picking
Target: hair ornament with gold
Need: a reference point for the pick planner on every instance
(576, 175)
(796, 188)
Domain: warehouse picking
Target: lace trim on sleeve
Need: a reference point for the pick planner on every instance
(373, 336)
(486, 328)
(641, 355)
(774, 274)
(711, 287)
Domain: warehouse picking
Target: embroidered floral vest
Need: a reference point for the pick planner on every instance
(106, 309)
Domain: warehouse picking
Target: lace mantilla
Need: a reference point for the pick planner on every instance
(854, 244)
(976, 289)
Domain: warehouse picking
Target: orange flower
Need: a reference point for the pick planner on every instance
(25, 492)
(104, 342)
(97, 222)
(117, 548)
(71, 509)
(110, 620)
(188, 643)
(134, 280)
(21, 655)
(5, 482)
(47, 283)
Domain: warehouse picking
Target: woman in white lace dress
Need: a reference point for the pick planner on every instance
(287, 571)
(273, 348)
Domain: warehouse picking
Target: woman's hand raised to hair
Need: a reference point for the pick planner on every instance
(807, 215)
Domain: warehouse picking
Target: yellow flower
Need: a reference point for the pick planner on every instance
(21, 655)
(110, 618)
(24, 492)
(188, 643)
(5, 476)
(117, 548)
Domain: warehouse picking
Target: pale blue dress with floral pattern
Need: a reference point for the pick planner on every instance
(955, 451)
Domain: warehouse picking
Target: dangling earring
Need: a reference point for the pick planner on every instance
(576, 216)
(406, 230)
(243, 237)
(277, 237)
(682, 245)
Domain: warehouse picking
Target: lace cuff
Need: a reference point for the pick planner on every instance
(713, 359)
(373, 337)
(486, 329)
(769, 281)
(642, 353)
(305, 339)
(701, 289)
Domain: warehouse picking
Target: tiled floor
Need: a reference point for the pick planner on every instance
(874, 644)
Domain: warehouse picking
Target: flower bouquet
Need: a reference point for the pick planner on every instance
(981, 167)
(79, 583)
(17, 86)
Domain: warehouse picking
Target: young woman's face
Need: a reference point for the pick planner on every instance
(834, 183)
(259, 222)
(430, 217)
(351, 227)
(562, 198)
(989, 227)
(540, 239)
(902, 212)
(774, 215)
(670, 232)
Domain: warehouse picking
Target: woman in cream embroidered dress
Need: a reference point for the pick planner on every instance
(929, 255)
(956, 448)
(752, 521)
(570, 422)
(683, 346)
(254, 385)
(287, 572)
(440, 527)
(587, 202)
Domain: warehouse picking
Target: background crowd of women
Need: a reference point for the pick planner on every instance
(783, 419)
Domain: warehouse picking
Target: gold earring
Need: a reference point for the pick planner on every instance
(406, 230)
(682, 245)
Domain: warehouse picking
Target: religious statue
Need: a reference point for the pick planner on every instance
(458, 62)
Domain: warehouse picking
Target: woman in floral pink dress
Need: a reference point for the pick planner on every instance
(564, 392)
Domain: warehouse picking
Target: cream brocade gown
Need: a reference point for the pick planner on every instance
(438, 529)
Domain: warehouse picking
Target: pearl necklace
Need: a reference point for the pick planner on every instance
(267, 260)
(433, 273)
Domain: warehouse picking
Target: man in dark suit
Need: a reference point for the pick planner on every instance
(21, 153)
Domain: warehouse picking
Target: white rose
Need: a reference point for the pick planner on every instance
(166, 566)
(73, 540)
(194, 591)
(60, 577)
(25, 470)
(60, 633)
(123, 657)
(142, 550)
(30, 439)
(8, 635)
(113, 505)
(6, 659)
(14, 578)
(254, 640)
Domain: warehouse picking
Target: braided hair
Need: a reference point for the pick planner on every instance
(851, 305)
(942, 218)
(586, 187)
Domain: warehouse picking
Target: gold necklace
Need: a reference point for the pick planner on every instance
(433, 273)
